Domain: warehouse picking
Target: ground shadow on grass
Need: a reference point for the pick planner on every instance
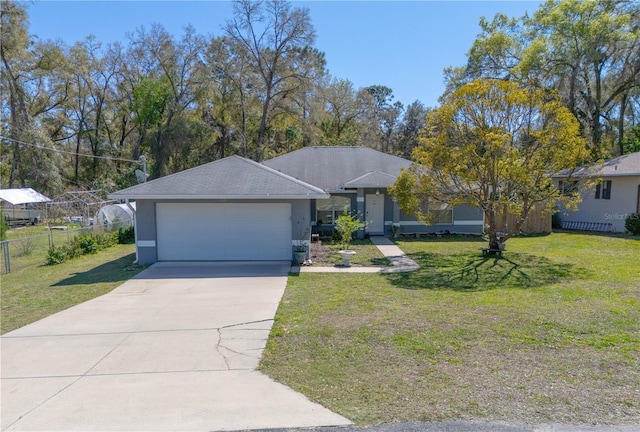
(471, 272)
(112, 271)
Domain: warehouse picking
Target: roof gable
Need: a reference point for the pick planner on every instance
(332, 168)
(233, 177)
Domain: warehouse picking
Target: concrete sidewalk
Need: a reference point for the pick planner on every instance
(399, 260)
(175, 348)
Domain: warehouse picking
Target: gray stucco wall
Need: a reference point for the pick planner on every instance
(466, 220)
(146, 229)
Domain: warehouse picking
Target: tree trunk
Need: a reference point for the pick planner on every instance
(623, 108)
(260, 146)
(76, 168)
(495, 240)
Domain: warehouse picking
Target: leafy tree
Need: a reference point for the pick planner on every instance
(414, 120)
(91, 112)
(259, 89)
(344, 107)
(595, 45)
(589, 51)
(493, 144)
(33, 90)
(177, 62)
(381, 117)
(150, 97)
(226, 111)
(631, 142)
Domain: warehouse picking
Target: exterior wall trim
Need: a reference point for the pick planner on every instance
(468, 222)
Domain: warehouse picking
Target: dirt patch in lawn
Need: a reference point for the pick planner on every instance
(325, 254)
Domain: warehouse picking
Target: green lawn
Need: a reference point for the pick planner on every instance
(28, 246)
(548, 333)
(36, 291)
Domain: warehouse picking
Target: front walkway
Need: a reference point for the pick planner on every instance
(401, 262)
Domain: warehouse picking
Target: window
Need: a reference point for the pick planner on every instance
(438, 213)
(327, 210)
(568, 187)
(603, 190)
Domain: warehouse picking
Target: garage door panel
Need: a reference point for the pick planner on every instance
(223, 231)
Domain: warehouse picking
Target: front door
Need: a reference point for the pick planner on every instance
(374, 215)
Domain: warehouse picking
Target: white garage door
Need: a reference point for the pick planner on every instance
(223, 232)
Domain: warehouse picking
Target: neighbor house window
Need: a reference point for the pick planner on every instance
(328, 210)
(603, 190)
(568, 187)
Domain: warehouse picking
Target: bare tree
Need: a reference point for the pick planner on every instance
(273, 35)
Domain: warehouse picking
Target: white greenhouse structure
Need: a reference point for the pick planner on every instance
(120, 215)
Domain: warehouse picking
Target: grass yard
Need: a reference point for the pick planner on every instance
(550, 333)
(37, 291)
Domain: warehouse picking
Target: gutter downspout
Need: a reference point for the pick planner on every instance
(135, 227)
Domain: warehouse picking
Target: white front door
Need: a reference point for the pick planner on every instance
(374, 213)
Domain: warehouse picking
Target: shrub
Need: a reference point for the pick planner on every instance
(106, 240)
(3, 227)
(126, 235)
(556, 221)
(632, 223)
(346, 225)
(25, 246)
(56, 255)
(87, 244)
(81, 245)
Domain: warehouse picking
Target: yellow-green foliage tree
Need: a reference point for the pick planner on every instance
(493, 144)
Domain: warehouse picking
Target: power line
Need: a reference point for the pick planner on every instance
(68, 152)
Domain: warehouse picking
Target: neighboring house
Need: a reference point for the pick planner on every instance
(615, 195)
(235, 209)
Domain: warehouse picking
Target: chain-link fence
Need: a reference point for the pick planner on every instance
(31, 250)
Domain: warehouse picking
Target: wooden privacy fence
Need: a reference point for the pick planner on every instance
(536, 223)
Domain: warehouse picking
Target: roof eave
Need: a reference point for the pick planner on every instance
(601, 175)
(367, 186)
(182, 197)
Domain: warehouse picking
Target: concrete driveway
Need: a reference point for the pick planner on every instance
(173, 349)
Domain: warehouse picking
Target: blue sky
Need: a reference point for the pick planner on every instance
(403, 45)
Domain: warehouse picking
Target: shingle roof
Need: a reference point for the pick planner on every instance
(332, 168)
(233, 177)
(625, 165)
